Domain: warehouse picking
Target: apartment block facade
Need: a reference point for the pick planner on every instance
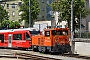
(45, 10)
(13, 6)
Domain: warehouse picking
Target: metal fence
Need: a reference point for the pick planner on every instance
(82, 34)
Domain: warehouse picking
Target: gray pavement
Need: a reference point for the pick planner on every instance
(9, 59)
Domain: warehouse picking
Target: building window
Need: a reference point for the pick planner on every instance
(13, 20)
(17, 36)
(7, 6)
(19, 13)
(2, 6)
(13, 5)
(42, 17)
(8, 13)
(13, 13)
(42, 9)
(42, 1)
(19, 20)
(19, 3)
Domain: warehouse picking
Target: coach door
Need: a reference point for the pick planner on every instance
(10, 40)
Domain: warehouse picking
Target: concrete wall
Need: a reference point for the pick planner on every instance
(82, 48)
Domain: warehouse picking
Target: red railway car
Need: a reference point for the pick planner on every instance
(15, 39)
(18, 38)
(54, 40)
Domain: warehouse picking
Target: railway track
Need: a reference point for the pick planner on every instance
(26, 56)
(30, 55)
(76, 56)
(35, 57)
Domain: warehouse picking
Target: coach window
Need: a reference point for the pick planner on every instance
(27, 36)
(17, 36)
(47, 33)
(2, 38)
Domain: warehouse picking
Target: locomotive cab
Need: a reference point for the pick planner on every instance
(57, 40)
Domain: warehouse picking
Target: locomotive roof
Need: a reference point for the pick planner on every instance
(48, 29)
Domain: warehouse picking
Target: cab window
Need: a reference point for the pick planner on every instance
(47, 33)
(27, 36)
(59, 32)
(64, 32)
(53, 32)
(56, 32)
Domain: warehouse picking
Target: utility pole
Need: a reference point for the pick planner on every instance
(80, 25)
(72, 32)
(29, 13)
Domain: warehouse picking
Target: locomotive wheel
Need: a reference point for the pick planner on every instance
(43, 49)
(57, 49)
(46, 51)
(35, 48)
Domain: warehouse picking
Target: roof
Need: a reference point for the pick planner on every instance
(11, 30)
(30, 29)
(5, 30)
(56, 29)
(21, 29)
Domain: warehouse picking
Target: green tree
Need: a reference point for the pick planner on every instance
(64, 7)
(3, 14)
(17, 24)
(5, 23)
(25, 9)
(14, 25)
(10, 24)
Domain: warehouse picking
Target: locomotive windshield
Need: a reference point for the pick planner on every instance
(59, 32)
(34, 32)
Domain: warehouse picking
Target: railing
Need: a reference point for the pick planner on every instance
(82, 34)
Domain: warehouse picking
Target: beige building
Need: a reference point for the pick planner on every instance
(13, 10)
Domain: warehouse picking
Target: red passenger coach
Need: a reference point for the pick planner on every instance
(15, 39)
